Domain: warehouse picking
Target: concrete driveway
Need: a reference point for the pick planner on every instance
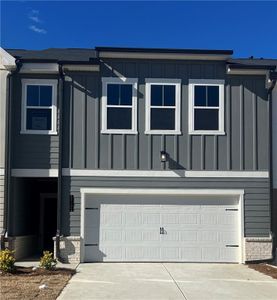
(168, 281)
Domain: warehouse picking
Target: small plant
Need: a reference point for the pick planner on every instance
(47, 261)
(7, 260)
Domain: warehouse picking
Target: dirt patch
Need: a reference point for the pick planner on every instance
(24, 283)
(265, 269)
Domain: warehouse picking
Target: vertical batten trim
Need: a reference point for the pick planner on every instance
(241, 129)
(254, 101)
(97, 126)
(215, 153)
(176, 148)
(202, 152)
(228, 125)
(110, 151)
(84, 124)
(149, 152)
(136, 154)
(123, 151)
(71, 125)
(189, 152)
(163, 148)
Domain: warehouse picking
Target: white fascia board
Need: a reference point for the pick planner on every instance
(161, 191)
(121, 173)
(2, 172)
(231, 71)
(6, 60)
(229, 174)
(34, 172)
(169, 173)
(86, 68)
(176, 56)
(40, 68)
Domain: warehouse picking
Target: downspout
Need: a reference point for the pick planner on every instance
(59, 200)
(271, 87)
(7, 214)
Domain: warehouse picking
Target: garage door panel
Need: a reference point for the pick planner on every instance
(170, 253)
(208, 236)
(111, 236)
(210, 254)
(132, 218)
(111, 218)
(164, 228)
(150, 218)
(188, 236)
(151, 235)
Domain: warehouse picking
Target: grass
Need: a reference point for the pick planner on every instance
(24, 283)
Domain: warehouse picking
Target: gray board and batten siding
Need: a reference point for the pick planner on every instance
(243, 147)
(256, 197)
(31, 151)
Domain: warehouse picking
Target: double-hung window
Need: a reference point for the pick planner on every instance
(206, 107)
(163, 101)
(39, 106)
(119, 105)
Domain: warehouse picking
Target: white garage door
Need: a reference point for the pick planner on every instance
(161, 228)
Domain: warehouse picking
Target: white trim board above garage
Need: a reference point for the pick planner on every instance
(167, 173)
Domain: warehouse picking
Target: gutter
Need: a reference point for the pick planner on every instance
(59, 200)
(5, 231)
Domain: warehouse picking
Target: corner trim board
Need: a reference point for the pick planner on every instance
(169, 173)
(34, 172)
(2, 172)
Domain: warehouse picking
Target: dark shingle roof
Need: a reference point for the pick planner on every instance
(164, 50)
(55, 54)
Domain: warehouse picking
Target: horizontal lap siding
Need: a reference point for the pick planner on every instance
(243, 147)
(256, 198)
(30, 151)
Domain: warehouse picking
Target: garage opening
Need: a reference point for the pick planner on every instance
(155, 228)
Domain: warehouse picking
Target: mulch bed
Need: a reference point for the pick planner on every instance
(24, 283)
(265, 269)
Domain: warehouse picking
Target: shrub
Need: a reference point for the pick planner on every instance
(7, 260)
(47, 261)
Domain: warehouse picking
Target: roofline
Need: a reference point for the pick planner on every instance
(163, 50)
(91, 61)
(252, 67)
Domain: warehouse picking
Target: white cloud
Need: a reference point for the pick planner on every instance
(38, 30)
(34, 17)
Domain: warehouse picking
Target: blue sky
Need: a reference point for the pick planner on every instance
(249, 28)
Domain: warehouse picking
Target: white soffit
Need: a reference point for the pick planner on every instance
(88, 68)
(40, 68)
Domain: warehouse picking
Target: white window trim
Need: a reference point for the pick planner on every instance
(163, 81)
(207, 82)
(25, 83)
(121, 80)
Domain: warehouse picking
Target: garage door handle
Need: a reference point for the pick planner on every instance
(161, 230)
(232, 246)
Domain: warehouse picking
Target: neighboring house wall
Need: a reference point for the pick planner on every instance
(7, 63)
(274, 160)
(31, 151)
(243, 147)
